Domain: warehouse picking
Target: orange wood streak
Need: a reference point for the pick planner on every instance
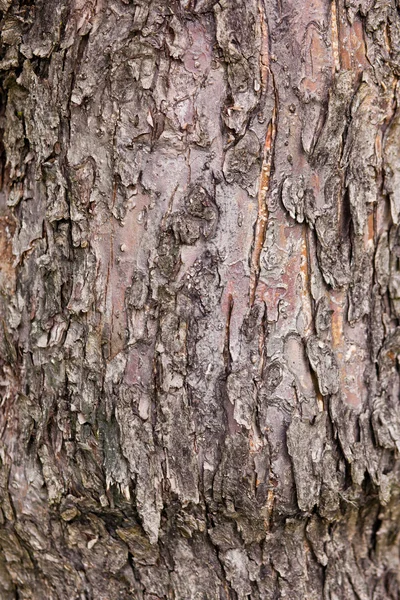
(262, 218)
(264, 55)
(306, 287)
(270, 508)
(347, 352)
(337, 304)
(370, 231)
(386, 37)
(7, 258)
(351, 44)
(359, 51)
(338, 299)
(335, 37)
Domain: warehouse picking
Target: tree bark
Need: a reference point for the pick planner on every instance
(200, 299)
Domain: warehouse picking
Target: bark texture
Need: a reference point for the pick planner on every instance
(200, 299)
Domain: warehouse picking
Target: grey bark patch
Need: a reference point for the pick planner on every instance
(324, 364)
(242, 394)
(327, 148)
(293, 197)
(305, 442)
(242, 162)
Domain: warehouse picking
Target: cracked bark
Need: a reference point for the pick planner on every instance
(200, 299)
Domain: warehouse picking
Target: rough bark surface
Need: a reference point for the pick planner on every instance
(200, 299)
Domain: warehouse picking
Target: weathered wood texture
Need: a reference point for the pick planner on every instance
(200, 299)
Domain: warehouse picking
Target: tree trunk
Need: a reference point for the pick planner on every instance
(200, 299)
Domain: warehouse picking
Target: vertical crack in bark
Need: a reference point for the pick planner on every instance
(233, 427)
(108, 290)
(227, 354)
